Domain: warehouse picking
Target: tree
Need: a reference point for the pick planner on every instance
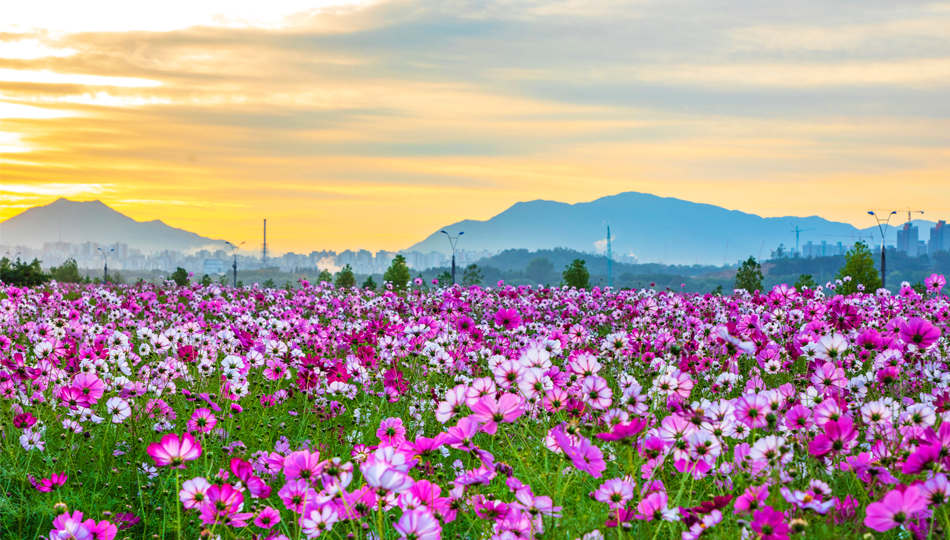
(859, 265)
(539, 270)
(576, 275)
(206, 280)
(398, 273)
(345, 278)
(369, 284)
(718, 290)
(749, 276)
(269, 284)
(67, 273)
(117, 278)
(20, 274)
(805, 281)
(325, 275)
(445, 278)
(180, 277)
(472, 276)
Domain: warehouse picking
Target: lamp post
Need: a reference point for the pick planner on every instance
(883, 230)
(105, 262)
(234, 252)
(453, 240)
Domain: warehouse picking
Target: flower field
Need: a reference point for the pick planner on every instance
(507, 413)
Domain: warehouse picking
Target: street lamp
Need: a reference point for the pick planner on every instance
(883, 229)
(453, 240)
(105, 261)
(234, 252)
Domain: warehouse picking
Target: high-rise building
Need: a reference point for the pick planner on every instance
(939, 238)
(907, 240)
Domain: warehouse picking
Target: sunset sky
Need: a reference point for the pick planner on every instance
(371, 124)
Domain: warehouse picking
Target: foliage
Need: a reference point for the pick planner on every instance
(269, 284)
(206, 281)
(180, 277)
(576, 275)
(805, 281)
(325, 276)
(20, 274)
(859, 265)
(540, 270)
(369, 284)
(445, 278)
(472, 276)
(749, 276)
(345, 278)
(67, 273)
(398, 273)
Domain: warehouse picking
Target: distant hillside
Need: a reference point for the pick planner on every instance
(655, 229)
(93, 221)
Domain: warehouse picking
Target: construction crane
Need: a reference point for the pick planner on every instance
(909, 212)
(798, 232)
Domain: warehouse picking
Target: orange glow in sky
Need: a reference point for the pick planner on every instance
(373, 124)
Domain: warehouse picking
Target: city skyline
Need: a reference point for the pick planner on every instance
(372, 124)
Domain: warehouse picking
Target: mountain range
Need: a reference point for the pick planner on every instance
(655, 229)
(93, 221)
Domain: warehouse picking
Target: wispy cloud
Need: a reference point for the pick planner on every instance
(373, 123)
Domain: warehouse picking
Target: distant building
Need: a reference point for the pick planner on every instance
(213, 266)
(907, 240)
(939, 238)
(824, 249)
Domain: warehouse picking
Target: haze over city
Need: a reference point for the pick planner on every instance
(371, 125)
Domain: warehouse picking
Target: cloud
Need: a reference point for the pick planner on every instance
(374, 124)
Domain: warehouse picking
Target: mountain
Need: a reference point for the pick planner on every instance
(655, 229)
(93, 221)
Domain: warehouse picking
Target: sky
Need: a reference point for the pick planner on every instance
(372, 124)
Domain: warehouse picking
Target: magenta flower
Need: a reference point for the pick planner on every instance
(173, 451)
(222, 507)
(596, 392)
(49, 484)
(655, 506)
(919, 333)
(895, 509)
(418, 524)
(317, 521)
(837, 438)
(751, 500)
(202, 421)
(935, 282)
(624, 430)
(585, 456)
(769, 524)
(302, 464)
(296, 494)
(507, 319)
(615, 493)
(193, 491)
(489, 412)
(391, 432)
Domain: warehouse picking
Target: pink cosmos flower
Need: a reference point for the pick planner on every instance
(70, 526)
(175, 451)
(895, 509)
(384, 479)
(222, 507)
(419, 524)
(596, 392)
(655, 507)
(615, 493)
(193, 491)
(624, 430)
(751, 500)
(836, 439)
(507, 319)
(489, 412)
(267, 518)
(296, 494)
(391, 432)
(770, 524)
(807, 500)
(935, 282)
(585, 456)
(316, 522)
(302, 464)
(918, 333)
(49, 484)
(751, 410)
(202, 421)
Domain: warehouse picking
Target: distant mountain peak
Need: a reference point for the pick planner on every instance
(94, 221)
